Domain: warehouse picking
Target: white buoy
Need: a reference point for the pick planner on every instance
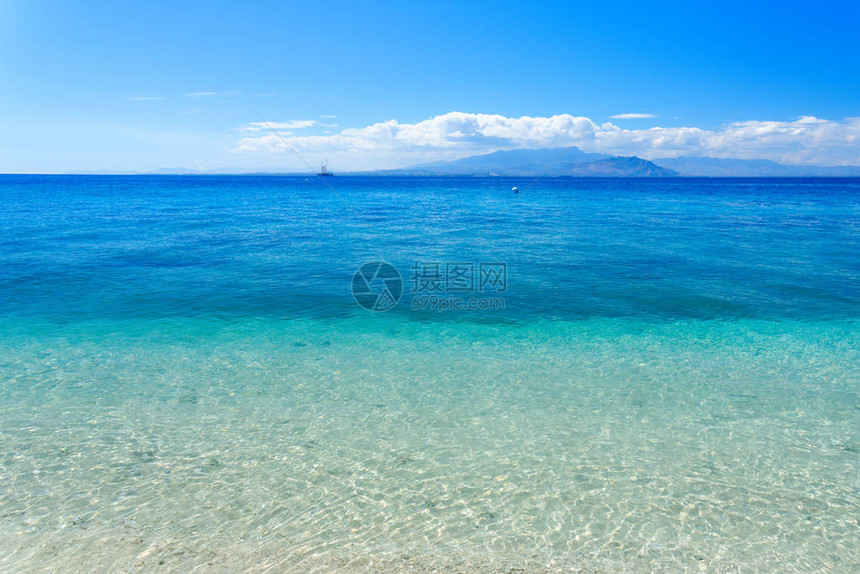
(515, 189)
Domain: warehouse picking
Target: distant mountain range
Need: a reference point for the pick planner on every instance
(539, 162)
(571, 162)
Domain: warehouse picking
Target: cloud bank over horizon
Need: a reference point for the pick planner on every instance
(632, 116)
(806, 140)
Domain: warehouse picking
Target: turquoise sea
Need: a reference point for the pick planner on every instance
(666, 380)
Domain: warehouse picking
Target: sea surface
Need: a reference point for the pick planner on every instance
(641, 375)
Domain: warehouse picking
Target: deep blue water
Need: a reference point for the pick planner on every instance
(232, 247)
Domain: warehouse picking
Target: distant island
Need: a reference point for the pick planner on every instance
(540, 163)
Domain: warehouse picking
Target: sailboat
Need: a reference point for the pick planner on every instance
(324, 169)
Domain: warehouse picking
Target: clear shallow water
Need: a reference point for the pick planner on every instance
(672, 385)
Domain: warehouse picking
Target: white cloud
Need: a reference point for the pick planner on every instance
(256, 127)
(328, 117)
(806, 140)
(224, 94)
(632, 116)
(144, 98)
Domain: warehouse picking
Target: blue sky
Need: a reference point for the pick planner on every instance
(144, 85)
